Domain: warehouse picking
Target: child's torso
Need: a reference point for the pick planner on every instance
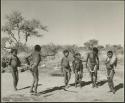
(35, 58)
(92, 59)
(65, 62)
(111, 62)
(77, 64)
(14, 61)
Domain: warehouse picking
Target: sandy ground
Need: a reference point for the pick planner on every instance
(51, 89)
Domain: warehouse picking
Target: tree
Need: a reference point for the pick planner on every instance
(72, 49)
(18, 27)
(49, 50)
(100, 47)
(115, 48)
(91, 43)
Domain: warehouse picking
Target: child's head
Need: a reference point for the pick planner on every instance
(95, 50)
(37, 48)
(66, 53)
(110, 54)
(14, 51)
(77, 55)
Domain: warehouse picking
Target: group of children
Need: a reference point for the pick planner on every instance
(92, 64)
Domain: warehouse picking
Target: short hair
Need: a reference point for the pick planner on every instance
(77, 54)
(37, 48)
(13, 50)
(65, 51)
(95, 49)
(110, 52)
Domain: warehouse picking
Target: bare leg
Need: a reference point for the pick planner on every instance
(112, 84)
(92, 80)
(14, 79)
(69, 76)
(80, 79)
(76, 78)
(17, 77)
(65, 77)
(31, 89)
(95, 77)
(36, 81)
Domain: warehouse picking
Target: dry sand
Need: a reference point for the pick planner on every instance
(51, 89)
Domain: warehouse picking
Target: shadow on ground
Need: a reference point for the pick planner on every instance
(28, 87)
(102, 82)
(84, 83)
(51, 90)
(119, 86)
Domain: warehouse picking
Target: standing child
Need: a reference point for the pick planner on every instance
(33, 60)
(14, 62)
(111, 63)
(65, 67)
(78, 69)
(93, 63)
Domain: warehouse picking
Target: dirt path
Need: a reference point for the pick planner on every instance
(51, 89)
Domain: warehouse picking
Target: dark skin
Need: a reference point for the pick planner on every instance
(93, 63)
(66, 71)
(36, 58)
(78, 73)
(110, 73)
(14, 63)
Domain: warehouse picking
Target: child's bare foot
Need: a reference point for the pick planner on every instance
(66, 87)
(96, 85)
(109, 91)
(80, 85)
(31, 91)
(93, 85)
(15, 89)
(113, 91)
(76, 85)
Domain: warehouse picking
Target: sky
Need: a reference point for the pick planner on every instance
(72, 22)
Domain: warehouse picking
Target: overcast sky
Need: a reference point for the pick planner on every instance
(72, 22)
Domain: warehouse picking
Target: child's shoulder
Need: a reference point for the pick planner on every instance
(10, 56)
(63, 57)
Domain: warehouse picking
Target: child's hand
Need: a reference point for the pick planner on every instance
(86, 66)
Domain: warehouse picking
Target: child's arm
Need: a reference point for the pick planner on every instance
(37, 61)
(106, 61)
(113, 61)
(97, 62)
(9, 59)
(19, 62)
(87, 60)
(81, 66)
(61, 65)
(27, 59)
(73, 66)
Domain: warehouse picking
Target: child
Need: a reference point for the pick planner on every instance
(78, 69)
(93, 63)
(33, 60)
(111, 63)
(14, 62)
(65, 67)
